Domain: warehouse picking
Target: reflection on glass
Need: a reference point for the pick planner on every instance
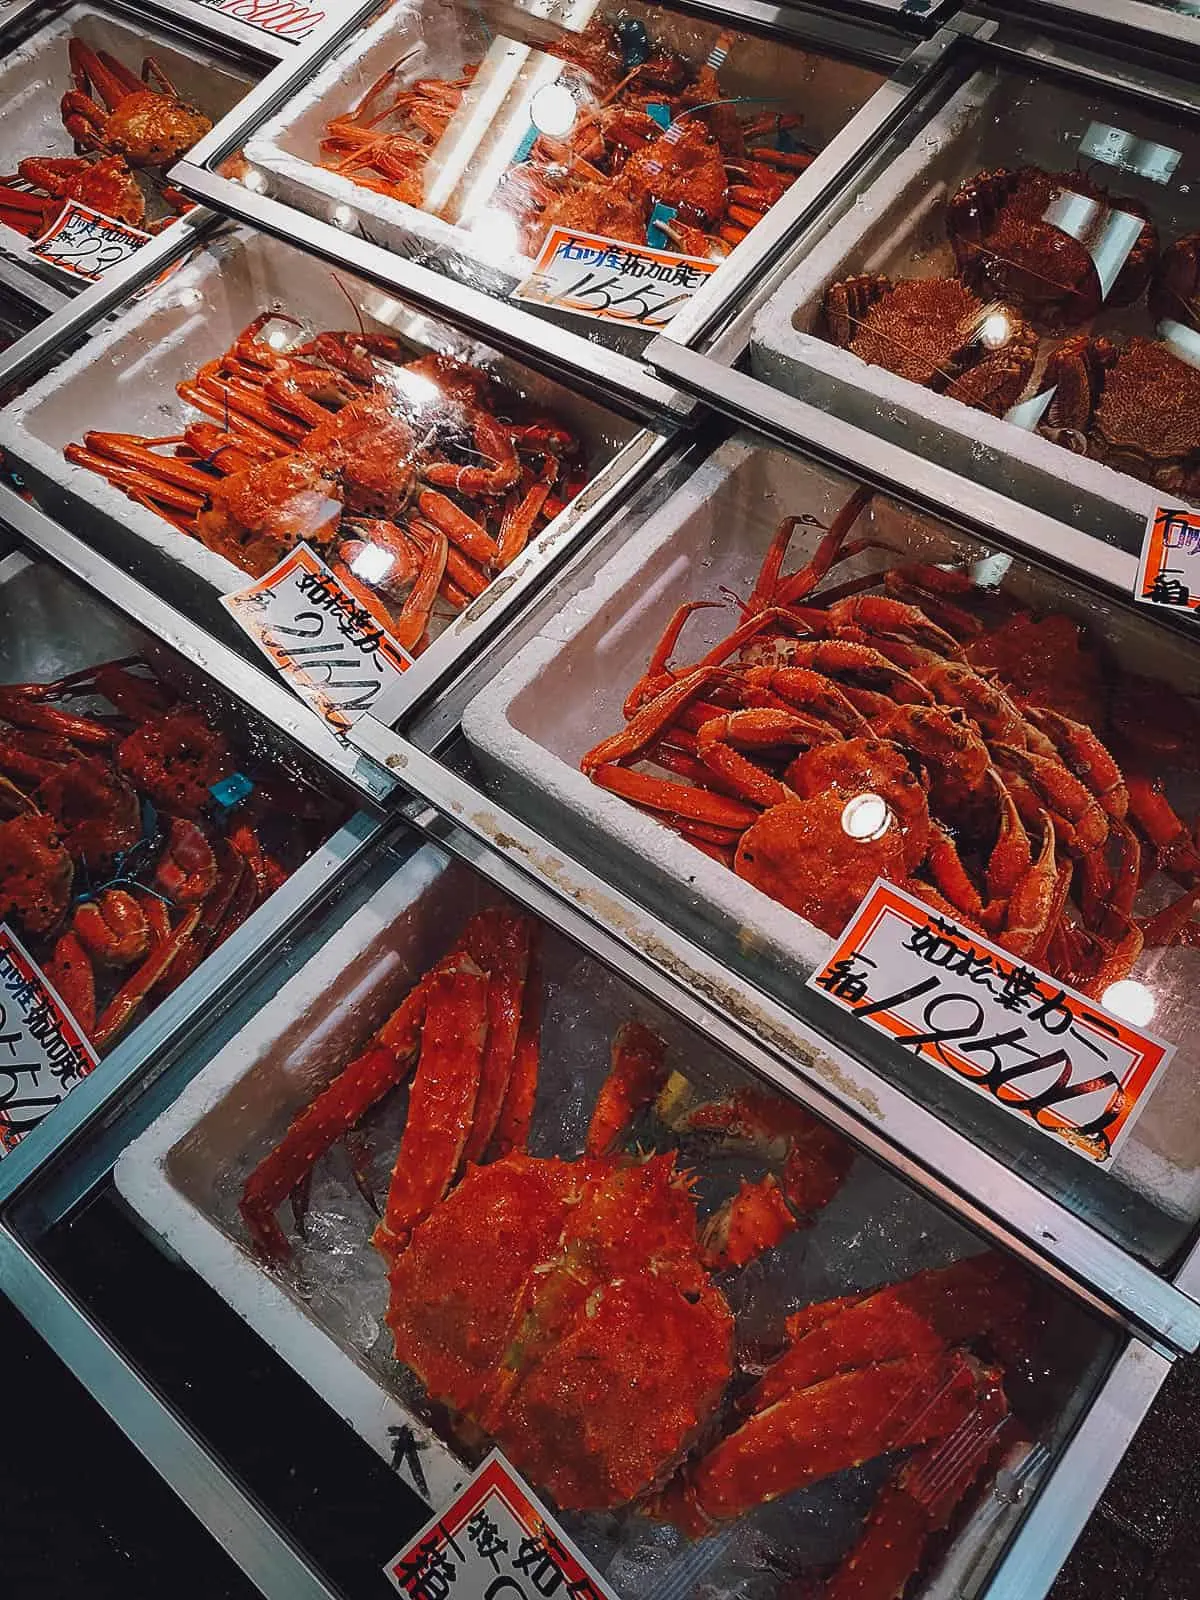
(1131, 1000)
(867, 816)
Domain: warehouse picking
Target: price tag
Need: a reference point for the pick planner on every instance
(286, 19)
(591, 276)
(1077, 1071)
(330, 642)
(494, 1542)
(1127, 153)
(1169, 566)
(43, 1050)
(86, 243)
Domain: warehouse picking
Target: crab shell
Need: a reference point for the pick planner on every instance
(928, 331)
(550, 1302)
(1136, 409)
(1175, 293)
(1004, 245)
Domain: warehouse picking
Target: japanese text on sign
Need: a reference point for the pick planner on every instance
(329, 642)
(86, 243)
(591, 276)
(953, 998)
(43, 1051)
(287, 19)
(1169, 568)
(494, 1542)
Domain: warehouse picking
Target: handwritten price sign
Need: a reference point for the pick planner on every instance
(286, 19)
(1042, 1051)
(494, 1542)
(1169, 568)
(329, 642)
(592, 276)
(43, 1050)
(86, 243)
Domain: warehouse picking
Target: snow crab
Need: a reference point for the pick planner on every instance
(33, 196)
(419, 478)
(595, 1298)
(1010, 236)
(113, 859)
(141, 119)
(935, 733)
(936, 332)
(1135, 407)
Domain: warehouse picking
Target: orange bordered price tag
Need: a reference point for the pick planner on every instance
(1073, 1068)
(1169, 568)
(329, 642)
(494, 1542)
(86, 243)
(43, 1050)
(592, 276)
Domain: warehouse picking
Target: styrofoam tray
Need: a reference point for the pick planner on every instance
(35, 76)
(323, 1312)
(897, 228)
(123, 380)
(563, 691)
(437, 41)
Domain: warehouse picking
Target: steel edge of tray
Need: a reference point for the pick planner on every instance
(1154, 25)
(764, 1035)
(268, 698)
(504, 323)
(253, 1540)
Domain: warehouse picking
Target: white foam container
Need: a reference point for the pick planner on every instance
(563, 690)
(436, 41)
(183, 1176)
(123, 380)
(37, 73)
(896, 227)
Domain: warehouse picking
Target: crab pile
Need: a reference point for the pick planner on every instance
(657, 152)
(1024, 277)
(121, 122)
(596, 1295)
(119, 865)
(417, 478)
(934, 733)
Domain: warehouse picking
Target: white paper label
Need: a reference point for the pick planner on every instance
(1127, 153)
(86, 243)
(591, 276)
(495, 1541)
(1042, 1051)
(1169, 566)
(43, 1050)
(330, 643)
(292, 20)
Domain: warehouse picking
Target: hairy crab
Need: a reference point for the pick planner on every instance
(936, 332)
(1135, 407)
(1175, 292)
(600, 1305)
(1009, 239)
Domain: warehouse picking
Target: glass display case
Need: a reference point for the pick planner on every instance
(1001, 280)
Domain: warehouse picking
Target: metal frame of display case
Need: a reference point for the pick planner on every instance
(1159, 26)
(598, 370)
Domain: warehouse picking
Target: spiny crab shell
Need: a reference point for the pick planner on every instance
(1005, 246)
(552, 1301)
(1136, 408)
(928, 330)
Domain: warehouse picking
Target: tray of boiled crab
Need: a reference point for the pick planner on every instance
(1030, 751)
(137, 832)
(478, 1191)
(95, 109)
(998, 292)
(451, 139)
(418, 464)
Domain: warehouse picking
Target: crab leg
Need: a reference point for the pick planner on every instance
(471, 537)
(442, 1101)
(679, 802)
(168, 943)
(517, 526)
(636, 1075)
(498, 942)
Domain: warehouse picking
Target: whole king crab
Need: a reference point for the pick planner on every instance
(933, 331)
(1135, 407)
(1009, 240)
(567, 1308)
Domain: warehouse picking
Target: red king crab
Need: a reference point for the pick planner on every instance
(587, 1298)
(1001, 804)
(935, 332)
(119, 909)
(1008, 244)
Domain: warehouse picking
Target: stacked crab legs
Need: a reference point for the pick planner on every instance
(550, 1302)
(418, 478)
(838, 735)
